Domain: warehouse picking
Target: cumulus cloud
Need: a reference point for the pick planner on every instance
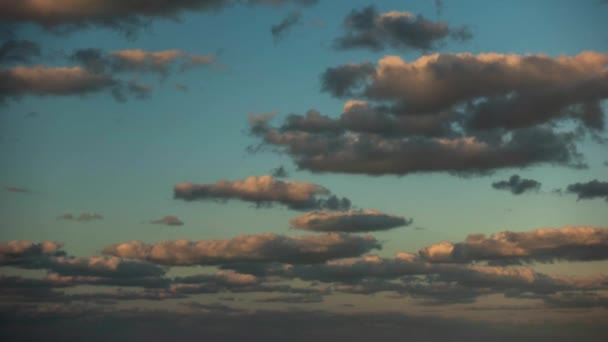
(575, 243)
(279, 30)
(128, 17)
(348, 221)
(247, 248)
(169, 220)
(18, 51)
(590, 190)
(264, 190)
(22, 253)
(472, 113)
(517, 185)
(366, 28)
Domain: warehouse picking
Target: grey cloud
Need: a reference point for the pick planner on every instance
(577, 243)
(84, 217)
(264, 191)
(348, 221)
(18, 51)
(279, 30)
(301, 299)
(169, 221)
(366, 28)
(21, 252)
(247, 248)
(590, 190)
(517, 185)
(374, 154)
(17, 189)
(344, 80)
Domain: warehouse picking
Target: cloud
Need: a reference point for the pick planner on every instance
(247, 248)
(575, 243)
(127, 17)
(279, 172)
(348, 221)
(18, 51)
(507, 87)
(169, 221)
(102, 266)
(21, 252)
(590, 190)
(375, 154)
(138, 60)
(264, 190)
(279, 30)
(181, 87)
(517, 185)
(301, 299)
(84, 217)
(58, 81)
(366, 28)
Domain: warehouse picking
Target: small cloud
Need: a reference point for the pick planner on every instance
(517, 185)
(84, 217)
(181, 87)
(279, 172)
(279, 30)
(17, 189)
(169, 220)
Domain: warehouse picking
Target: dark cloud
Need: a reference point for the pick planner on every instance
(18, 51)
(181, 87)
(124, 16)
(279, 30)
(247, 248)
(348, 221)
(576, 243)
(279, 172)
(517, 185)
(17, 189)
(345, 79)
(169, 221)
(264, 191)
(374, 154)
(366, 28)
(301, 299)
(590, 190)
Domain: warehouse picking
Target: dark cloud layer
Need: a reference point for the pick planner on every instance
(264, 191)
(18, 51)
(517, 185)
(366, 28)
(590, 190)
(247, 248)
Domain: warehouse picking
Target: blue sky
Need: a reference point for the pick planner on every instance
(92, 154)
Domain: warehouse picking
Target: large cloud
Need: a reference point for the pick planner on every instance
(517, 185)
(541, 245)
(590, 190)
(366, 28)
(247, 248)
(348, 221)
(264, 190)
(125, 16)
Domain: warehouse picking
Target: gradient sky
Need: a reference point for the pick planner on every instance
(91, 154)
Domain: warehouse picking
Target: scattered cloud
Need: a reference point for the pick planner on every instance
(264, 191)
(169, 220)
(517, 185)
(279, 172)
(590, 190)
(348, 221)
(366, 28)
(17, 189)
(280, 30)
(247, 248)
(22, 253)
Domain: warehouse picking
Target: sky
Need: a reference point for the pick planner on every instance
(431, 169)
